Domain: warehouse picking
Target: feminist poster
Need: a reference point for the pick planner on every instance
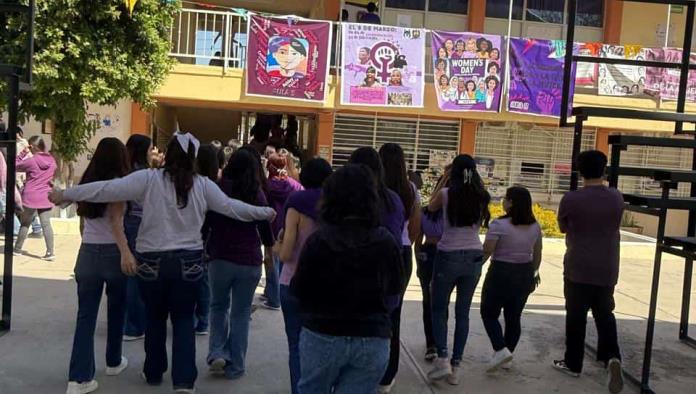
(669, 83)
(621, 80)
(288, 58)
(536, 77)
(382, 65)
(468, 71)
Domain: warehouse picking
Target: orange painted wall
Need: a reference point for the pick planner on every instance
(602, 140)
(332, 9)
(467, 140)
(325, 131)
(613, 16)
(140, 120)
(477, 15)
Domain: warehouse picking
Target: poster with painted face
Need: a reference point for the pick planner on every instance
(619, 79)
(536, 77)
(288, 58)
(382, 65)
(468, 70)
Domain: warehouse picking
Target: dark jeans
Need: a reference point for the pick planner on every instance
(425, 276)
(201, 317)
(272, 289)
(293, 327)
(506, 287)
(135, 308)
(460, 269)
(97, 266)
(395, 343)
(169, 284)
(579, 299)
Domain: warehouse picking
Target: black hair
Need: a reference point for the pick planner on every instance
(110, 160)
(261, 174)
(520, 212)
(293, 125)
(371, 7)
(592, 164)
(349, 196)
(344, 15)
(467, 197)
(297, 45)
(481, 41)
(179, 166)
(491, 65)
(314, 173)
(371, 70)
(37, 142)
(369, 157)
(416, 178)
(138, 146)
(240, 178)
(207, 163)
(492, 78)
(440, 61)
(261, 132)
(396, 176)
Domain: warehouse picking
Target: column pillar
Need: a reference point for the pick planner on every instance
(140, 120)
(602, 141)
(325, 131)
(467, 137)
(477, 15)
(613, 15)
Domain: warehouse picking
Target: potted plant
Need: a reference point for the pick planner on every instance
(629, 224)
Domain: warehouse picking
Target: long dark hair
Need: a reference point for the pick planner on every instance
(520, 212)
(395, 174)
(260, 172)
(240, 178)
(314, 173)
(179, 166)
(110, 160)
(370, 158)
(468, 198)
(207, 163)
(138, 146)
(349, 196)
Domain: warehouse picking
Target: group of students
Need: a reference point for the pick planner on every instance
(342, 242)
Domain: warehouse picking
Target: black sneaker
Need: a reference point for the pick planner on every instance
(430, 354)
(561, 366)
(615, 379)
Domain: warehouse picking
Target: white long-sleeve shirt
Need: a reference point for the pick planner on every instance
(165, 226)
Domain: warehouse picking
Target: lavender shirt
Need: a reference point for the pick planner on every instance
(457, 238)
(98, 231)
(515, 244)
(432, 228)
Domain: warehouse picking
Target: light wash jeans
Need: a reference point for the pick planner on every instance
(460, 269)
(341, 365)
(233, 284)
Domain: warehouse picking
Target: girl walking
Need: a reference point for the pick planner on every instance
(458, 260)
(170, 252)
(301, 220)
(103, 262)
(514, 242)
(40, 169)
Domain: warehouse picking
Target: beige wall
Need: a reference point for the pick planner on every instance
(645, 24)
(677, 223)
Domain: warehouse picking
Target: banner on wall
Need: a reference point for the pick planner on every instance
(621, 80)
(468, 71)
(586, 73)
(669, 86)
(382, 65)
(536, 77)
(288, 58)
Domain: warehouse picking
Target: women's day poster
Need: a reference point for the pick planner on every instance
(468, 71)
(382, 65)
(536, 77)
(288, 58)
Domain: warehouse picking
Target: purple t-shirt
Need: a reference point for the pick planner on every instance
(515, 244)
(432, 228)
(394, 220)
(591, 219)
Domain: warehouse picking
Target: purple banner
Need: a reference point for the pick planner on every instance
(382, 65)
(288, 58)
(469, 69)
(536, 77)
(669, 86)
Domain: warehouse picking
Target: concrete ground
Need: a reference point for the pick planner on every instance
(34, 356)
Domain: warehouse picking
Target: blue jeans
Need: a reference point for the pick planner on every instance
(202, 313)
(135, 308)
(341, 365)
(3, 211)
(169, 285)
(293, 326)
(272, 290)
(233, 284)
(97, 266)
(460, 269)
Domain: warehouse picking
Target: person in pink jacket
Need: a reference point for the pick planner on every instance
(40, 170)
(3, 191)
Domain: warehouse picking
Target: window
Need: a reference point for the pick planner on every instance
(407, 4)
(547, 11)
(451, 6)
(208, 44)
(590, 13)
(501, 8)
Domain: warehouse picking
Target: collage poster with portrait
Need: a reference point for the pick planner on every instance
(288, 57)
(382, 65)
(468, 70)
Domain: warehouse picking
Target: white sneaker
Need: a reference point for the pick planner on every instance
(185, 391)
(507, 366)
(499, 358)
(113, 371)
(453, 378)
(385, 388)
(442, 369)
(218, 366)
(130, 338)
(615, 379)
(82, 388)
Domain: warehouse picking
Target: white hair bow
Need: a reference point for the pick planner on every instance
(468, 175)
(184, 139)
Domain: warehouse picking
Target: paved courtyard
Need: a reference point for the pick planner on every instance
(34, 356)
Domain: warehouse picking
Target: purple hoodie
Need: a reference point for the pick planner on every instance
(278, 192)
(40, 170)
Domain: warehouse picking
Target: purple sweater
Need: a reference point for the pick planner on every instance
(395, 219)
(278, 192)
(40, 170)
